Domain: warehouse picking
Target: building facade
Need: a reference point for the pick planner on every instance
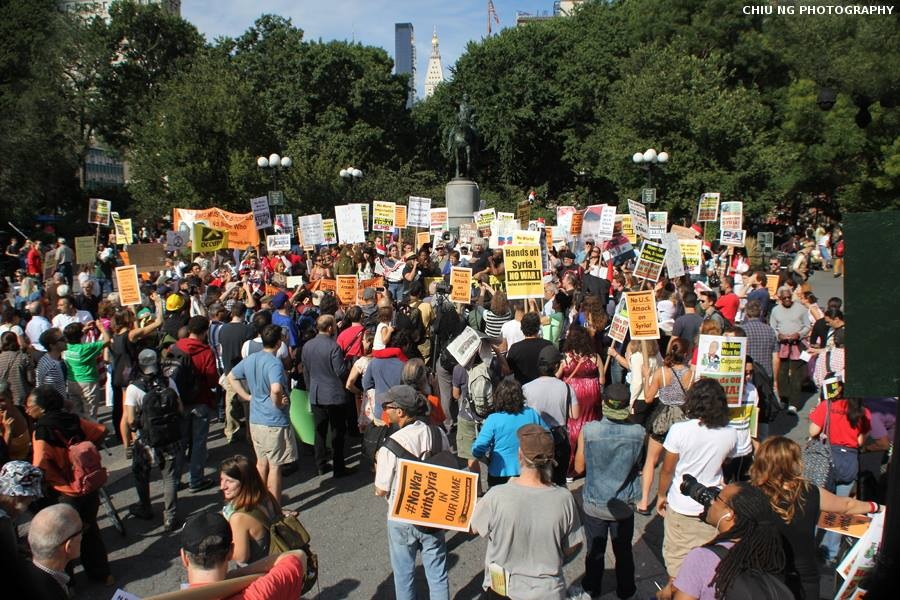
(405, 57)
(97, 8)
(435, 73)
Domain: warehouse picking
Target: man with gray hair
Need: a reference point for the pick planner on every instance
(55, 540)
(790, 320)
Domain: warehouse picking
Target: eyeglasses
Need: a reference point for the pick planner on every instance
(722, 500)
(73, 536)
(388, 406)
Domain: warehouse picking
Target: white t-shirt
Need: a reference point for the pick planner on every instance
(281, 353)
(416, 438)
(378, 343)
(512, 333)
(701, 452)
(81, 316)
(36, 326)
(14, 328)
(134, 396)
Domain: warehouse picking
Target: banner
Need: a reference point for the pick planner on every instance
(241, 228)
(641, 307)
(364, 211)
(638, 217)
(350, 221)
(708, 208)
(419, 212)
(176, 240)
(98, 211)
(729, 237)
(483, 220)
(328, 232)
(440, 220)
(284, 223)
(147, 257)
(461, 284)
(207, 239)
(128, 285)
(732, 216)
(400, 216)
(433, 496)
(657, 223)
(280, 242)
(345, 289)
(618, 329)
(627, 227)
(260, 209)
(311, 231)
(722, 358)
(523, 272)
(650, 261)
(85, 250)
(523, 214)
(383, 216)
(691, 254)
(674, 260)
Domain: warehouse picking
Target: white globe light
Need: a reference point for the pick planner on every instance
(649, 155)
(357, 173)
(344, 173)
(638, 158)
(262, 162)
(286, 162)
(663, 157)
(274, 160)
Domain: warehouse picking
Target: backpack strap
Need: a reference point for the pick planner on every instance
(437, 445)
(399, 451)
(718, 550)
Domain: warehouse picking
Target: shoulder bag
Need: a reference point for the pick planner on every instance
(818, 465)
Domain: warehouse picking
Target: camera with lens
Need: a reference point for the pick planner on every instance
(442, 288)
(697, 491)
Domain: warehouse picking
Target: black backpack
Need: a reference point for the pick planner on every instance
(753, 584)
(177, 366)
(769, 403)
(436, 455)
(160, 417)
(417, 327)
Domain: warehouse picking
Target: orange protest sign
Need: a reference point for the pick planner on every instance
(576, 223)
(772, 285)
(241, 228)
(422, 238)
(128, 285)
(323, 285)
(433, 496)
(642, 321)
(346, 289)
(461, 284)
(852, 525)
(400, 216)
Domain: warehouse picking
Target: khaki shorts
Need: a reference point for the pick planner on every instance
(465, 438)
(681, 534)
(278, 445)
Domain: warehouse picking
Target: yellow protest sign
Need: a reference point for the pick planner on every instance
(461, 284)
(128, 285)
(692, 255)
(422, 238)
(577, 222)
(346, 289)
(526, 238)
(207, 239)
(383, 214)
(85, 250)
(433, 496)
(642, 321)
(627, 227)
(523, 272)
(772, 285)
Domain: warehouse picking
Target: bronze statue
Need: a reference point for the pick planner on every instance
(463, 135)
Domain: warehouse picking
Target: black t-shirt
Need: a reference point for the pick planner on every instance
(523, 358)
(800, 543)
(231, 337)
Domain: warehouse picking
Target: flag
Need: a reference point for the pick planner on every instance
(207, 239)
(492, 13)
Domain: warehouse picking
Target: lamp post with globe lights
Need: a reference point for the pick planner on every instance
(351, 175)
(649, 160)
(274, 163)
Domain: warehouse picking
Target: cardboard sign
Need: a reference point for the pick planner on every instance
(526, 238)
(577, 223)
(419, 212)
(311, 228)
(464, 346)
(642, 322)
(383, 216)
(147, 257)
(523, 214)
(345, 289)
(461, 284)
(708, 207)
(400, 216)
(627, 227)
(364, 211)
(483, 220)
(691, 254)
(350, 224)
(98, 211)
(772, 285)
(422, 238)
(674, 260)
(638, 218)
(278, 243)
(433, 496)
(85, 250)
(260, 209)
(328, 232)
(284, 223)
(241, 228)
(732, 238)
(657, 223)
(722, 358)
(618, 329)
(207, 239)
(176, 240)
(128, 285)
(732, 216)
(650, 261)
(852, 525)
(440, 220)
(684, 233)
(523, 272)
(293, 281)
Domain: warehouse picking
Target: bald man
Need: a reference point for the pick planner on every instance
(324, 371)
(55, 540)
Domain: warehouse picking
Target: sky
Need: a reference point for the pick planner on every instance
(370, 22)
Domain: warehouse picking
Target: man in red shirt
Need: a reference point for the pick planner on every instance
(728, 302)
(206, 548)
(33, 263)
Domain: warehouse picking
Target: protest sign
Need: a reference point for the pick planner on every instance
(618, 329)
(422, 238)
(526, 238)
(208, 239)
(128, 285)
(691, 254)
(722, 358)
(650, 261)
(564, 219)
(176, 240)
(638, 217)
(147, 257)
(400, 216)
(607, 221)
(657, 222)
(419, 212)
(260, 209)
(523, 272)
(865, 553)
(577, 223)
(364, 211)
(483, 220)
(433, 496)
(98, 211)
(468, 232)
(461, 284)
(619, 250)
(708, 207)
(284, 223)
(732, 238)
(311, 227)
(383, 216)
(732, 216)
(641, 307)
(464, 346)
(440, 220)
(350, 224)
(590, 221)
(293, 281)
(328, 232)
(345, 289)
(124, 231)
(279, 242)
(627, 227)
(85, 250)
(685, 233)
(118, 229)
(523, 214)
(241, 228)
(772, 285)
(674, 260)
(851, 525)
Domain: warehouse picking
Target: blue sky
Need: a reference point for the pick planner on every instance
(370, 22)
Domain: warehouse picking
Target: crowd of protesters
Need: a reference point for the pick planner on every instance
(548, 399)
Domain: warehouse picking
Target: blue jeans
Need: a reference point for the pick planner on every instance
(194, 431)
(831, 541)
(404, 542)
(599, 531)
(397, 290)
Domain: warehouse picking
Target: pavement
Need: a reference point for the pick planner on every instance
(348, 526)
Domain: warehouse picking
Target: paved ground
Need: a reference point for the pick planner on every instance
(347, 524)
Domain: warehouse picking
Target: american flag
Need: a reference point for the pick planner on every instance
(492, 13)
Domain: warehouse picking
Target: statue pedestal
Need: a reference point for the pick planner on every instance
(463, 199)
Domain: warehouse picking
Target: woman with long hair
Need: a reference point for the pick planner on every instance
(249, 508)
(29, 291)
(582, 369)
(497, 314)
(777, 471)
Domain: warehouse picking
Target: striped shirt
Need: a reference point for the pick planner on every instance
(52, 372)
(494, 323)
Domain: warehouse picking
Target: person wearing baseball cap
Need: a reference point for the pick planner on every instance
(531, 525)
(608, 453)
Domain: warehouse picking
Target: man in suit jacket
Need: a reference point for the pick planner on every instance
(55, 540)
(324, 372)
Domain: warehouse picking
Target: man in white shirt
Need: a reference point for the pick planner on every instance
(511, 332)
(68, 314)
(37, 325)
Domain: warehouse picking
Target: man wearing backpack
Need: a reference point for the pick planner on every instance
(153, 410)
(195, 380)
(406, 408)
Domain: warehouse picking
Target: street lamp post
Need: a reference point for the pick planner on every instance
(649, 160)
(275, 163)
(351, 175)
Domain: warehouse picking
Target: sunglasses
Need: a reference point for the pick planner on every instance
(388, 406)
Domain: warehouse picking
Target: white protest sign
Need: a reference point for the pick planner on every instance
(261, 214)
(607, 222)
(464, 346)
(730, 237)
(311, 230)
(638, 218)
(674, 260)
(349, 222)
(383, 214)
(419, 212)
(280, 242)
(364, 211)
(657, 223)
(731, 216)
(440, 220)
(284, 223)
